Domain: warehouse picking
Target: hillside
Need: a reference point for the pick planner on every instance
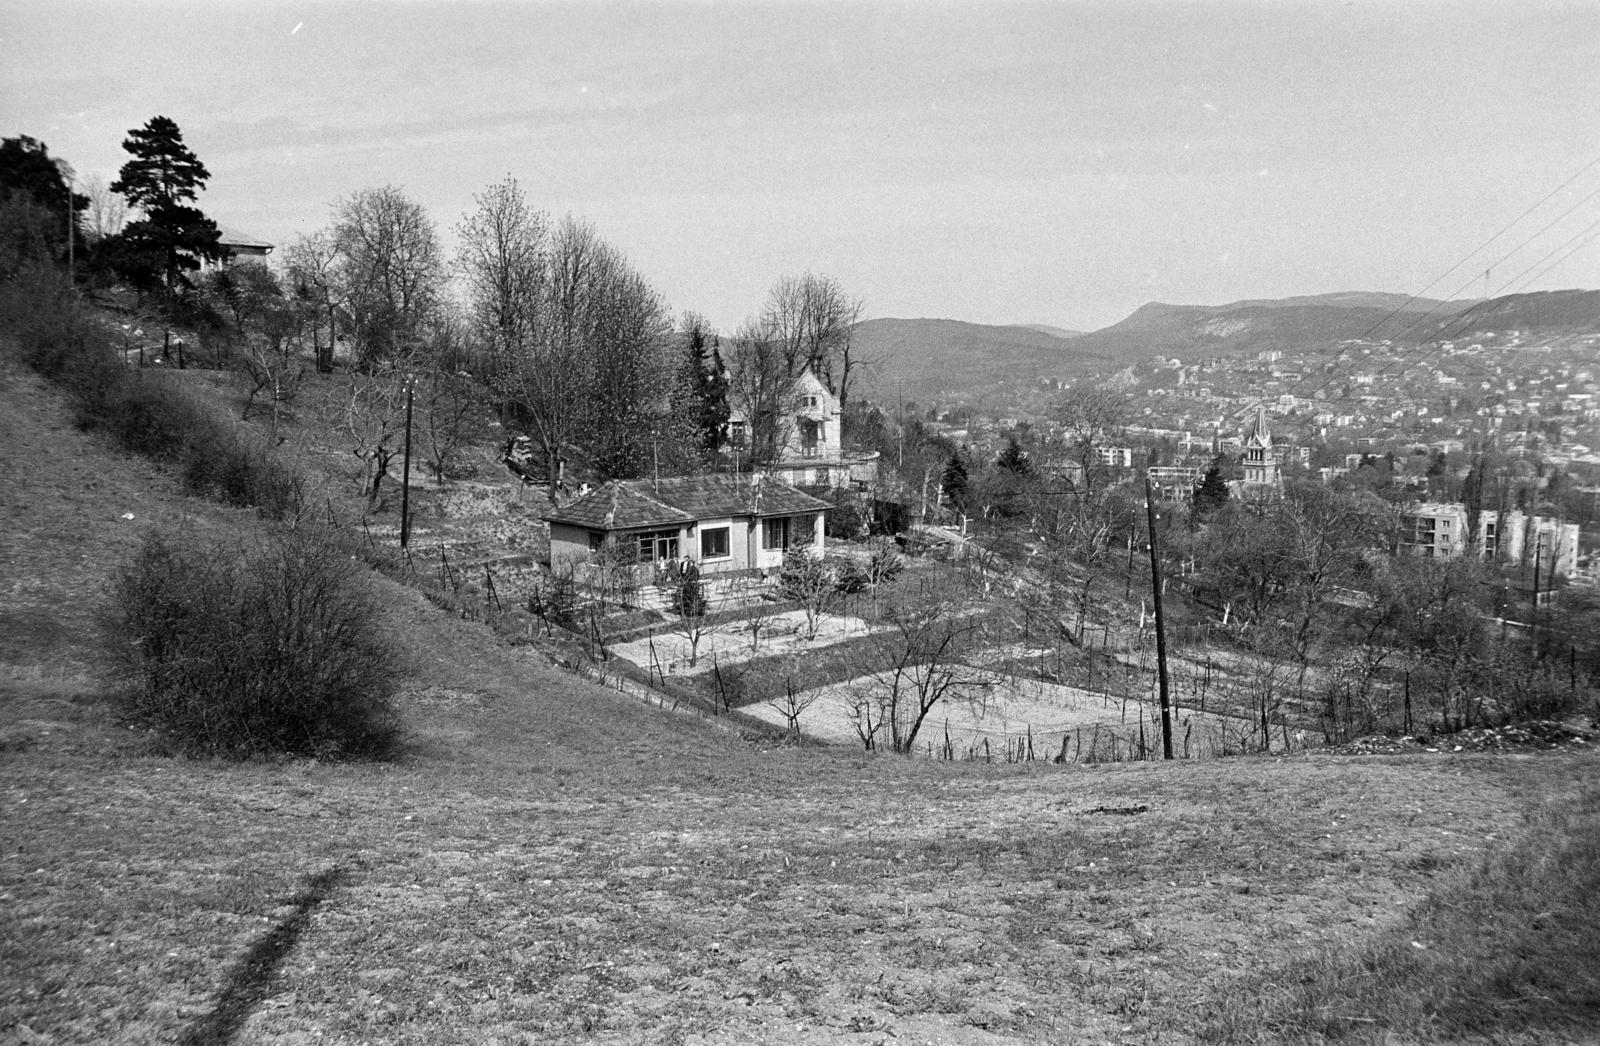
(934, 358)
(1185, 331)
(553, 860)
(946, 360)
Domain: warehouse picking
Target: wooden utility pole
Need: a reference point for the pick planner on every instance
(1161, 631)
(405, 469)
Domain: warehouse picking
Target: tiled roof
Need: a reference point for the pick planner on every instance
(632, 503)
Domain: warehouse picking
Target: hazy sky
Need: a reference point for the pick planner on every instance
(1000, 163)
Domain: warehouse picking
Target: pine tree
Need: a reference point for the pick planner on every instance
(1014, 459)
(1212, 493)
(163, 180)
(954, 481)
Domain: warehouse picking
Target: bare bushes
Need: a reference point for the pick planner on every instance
(263, 647)
(148, 413)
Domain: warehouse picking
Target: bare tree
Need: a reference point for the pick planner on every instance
(107, 212)
(759, 383)
(501, 261)
(811, 320)
(311, 264)
(1091, 418)
(373, 418)
(793, 704)
(392, 270)
(933, 631)
(448, 398)
(586, 341)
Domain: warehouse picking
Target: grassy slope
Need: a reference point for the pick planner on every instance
(552, 862)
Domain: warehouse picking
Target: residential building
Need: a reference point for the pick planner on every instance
(1434, 530)
(806, 430)
(725, 523)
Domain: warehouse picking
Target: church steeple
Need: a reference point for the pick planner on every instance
(1260, 462)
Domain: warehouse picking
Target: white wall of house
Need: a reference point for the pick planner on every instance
(774, 535)
(759, 546)
(721, 545)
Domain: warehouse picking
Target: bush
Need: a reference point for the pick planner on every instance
(849, 574)
(143, 412)
(265, 648)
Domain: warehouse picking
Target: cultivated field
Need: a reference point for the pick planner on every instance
(554, 862)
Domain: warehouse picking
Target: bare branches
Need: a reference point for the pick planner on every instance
(933, 632)
(392, 267)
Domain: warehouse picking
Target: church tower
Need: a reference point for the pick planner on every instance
(1260, 460)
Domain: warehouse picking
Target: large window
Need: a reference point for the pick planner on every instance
(657, 545)
(787, 531)
(714, 543)
(775, 533)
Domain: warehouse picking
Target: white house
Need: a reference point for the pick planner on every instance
(725, 523)
(808, 428)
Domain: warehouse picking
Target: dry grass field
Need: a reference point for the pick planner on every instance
(551, 861)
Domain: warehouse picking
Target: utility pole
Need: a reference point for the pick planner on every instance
(1161, 631)
(405, 469)
(71, 272)
(900, 448)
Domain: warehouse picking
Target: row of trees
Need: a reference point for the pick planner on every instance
(567, 338)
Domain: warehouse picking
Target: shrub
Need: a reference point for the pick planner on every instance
(262, 648)
(554, 599)
(849, 574)
(142, 412)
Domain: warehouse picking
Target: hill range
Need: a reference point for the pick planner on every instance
(941, 359)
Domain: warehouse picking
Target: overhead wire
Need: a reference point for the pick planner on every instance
(1330, 378)
(1458, 323)
(1476, 305)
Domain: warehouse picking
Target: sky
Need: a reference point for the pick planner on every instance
(1053, 163)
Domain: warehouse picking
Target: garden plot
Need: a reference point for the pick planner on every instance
(1015, 711)
(731, 642)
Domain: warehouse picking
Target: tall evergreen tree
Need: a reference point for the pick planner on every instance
(1014, 459)
(162, 181)
(1212, 493)
(954, 482)
(708, 386)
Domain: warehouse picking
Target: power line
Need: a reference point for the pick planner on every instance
(1352, 364)
(1587, 235)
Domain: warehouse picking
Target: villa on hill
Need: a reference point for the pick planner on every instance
(725, 523)
(805, 429)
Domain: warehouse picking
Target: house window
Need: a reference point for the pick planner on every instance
(656, 545)
(810, 433)
(714, 543)
(775, 533)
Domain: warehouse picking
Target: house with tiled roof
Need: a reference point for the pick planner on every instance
(236, 246)
(724, 522)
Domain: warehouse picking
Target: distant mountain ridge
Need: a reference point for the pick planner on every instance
(948, 359)
(933, 358)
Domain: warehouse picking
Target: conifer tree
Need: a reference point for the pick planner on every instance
(162, 181)
(1212, 493)
(1014, 459)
